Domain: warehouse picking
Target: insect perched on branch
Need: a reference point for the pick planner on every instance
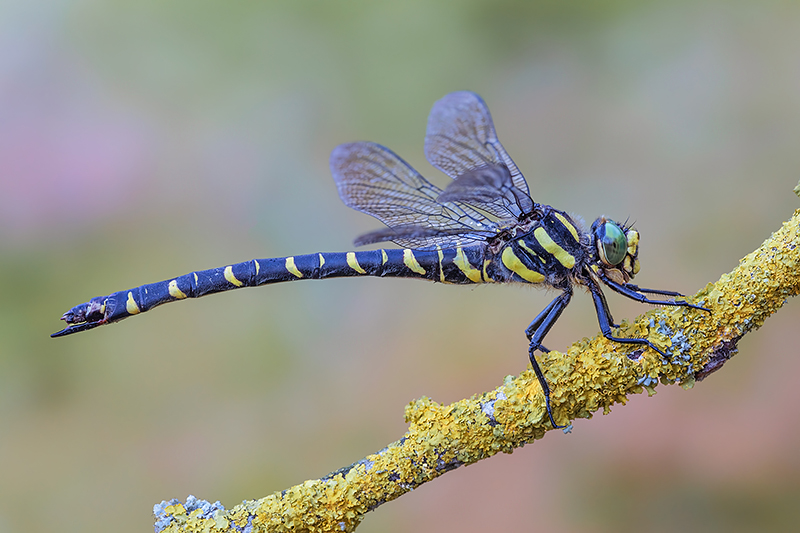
(484, 227)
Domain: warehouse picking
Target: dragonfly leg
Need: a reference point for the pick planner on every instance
(602, 317)
(635, 293)
(607, 310)
(636, 288)
(536, 332)
(536, 322)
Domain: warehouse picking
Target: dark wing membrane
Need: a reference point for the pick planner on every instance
(413, 234)
(461, 139)
(488, 188)
(374, 180)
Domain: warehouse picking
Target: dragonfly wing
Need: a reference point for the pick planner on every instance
(420, 237)
(461, 140)
(489, 188)
(374, 180)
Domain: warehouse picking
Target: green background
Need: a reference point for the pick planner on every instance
(143, 140)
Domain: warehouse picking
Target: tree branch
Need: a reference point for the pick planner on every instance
(592, 375)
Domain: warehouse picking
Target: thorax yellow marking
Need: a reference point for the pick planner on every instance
(231, 278)
(258, 266)
(472, 273)
(321, 260)
(292, 268)
(130, 305)
(174, 291)
(486, 263)
(568, 225)
(384, 257)
(352, 262)
(411, 262)
(561, 255)
(515, 265)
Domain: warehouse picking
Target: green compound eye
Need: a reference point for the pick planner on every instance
(612, 245)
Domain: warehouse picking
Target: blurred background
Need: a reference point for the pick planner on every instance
(143, 140)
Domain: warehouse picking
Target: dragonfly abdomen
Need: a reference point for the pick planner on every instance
(451, 265)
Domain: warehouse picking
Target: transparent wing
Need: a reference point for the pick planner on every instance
(461, 140)
(374, 180)
(489, 188)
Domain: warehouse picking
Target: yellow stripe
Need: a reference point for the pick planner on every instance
(472, 273)
(411, 262)
(513, 263)
(292, 268)
(441, 258)
(321, 260)
(533, 253)
(231, 278)
(561, 255)
(384, 257)
(352, 262)
(486, 263)
(569, 226)
(130, 305)
(174, 291)
(258, 266)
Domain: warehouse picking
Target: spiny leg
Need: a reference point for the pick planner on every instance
(636, 288)
(634, 293)
(536, 322)
(536, 332)
(602, 317)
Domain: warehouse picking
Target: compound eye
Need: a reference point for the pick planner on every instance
(612, 245)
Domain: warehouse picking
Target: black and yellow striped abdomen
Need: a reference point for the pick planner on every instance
(452, 265)
(546, 252)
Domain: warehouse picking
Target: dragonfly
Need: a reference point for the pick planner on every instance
(483, 227)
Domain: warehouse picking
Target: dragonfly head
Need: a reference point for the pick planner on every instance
(617, 248)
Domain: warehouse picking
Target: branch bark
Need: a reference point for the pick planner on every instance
(593, 374)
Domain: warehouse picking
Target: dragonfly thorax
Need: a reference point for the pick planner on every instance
(546, 248)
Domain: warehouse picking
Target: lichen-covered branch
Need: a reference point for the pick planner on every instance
(592, 375)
